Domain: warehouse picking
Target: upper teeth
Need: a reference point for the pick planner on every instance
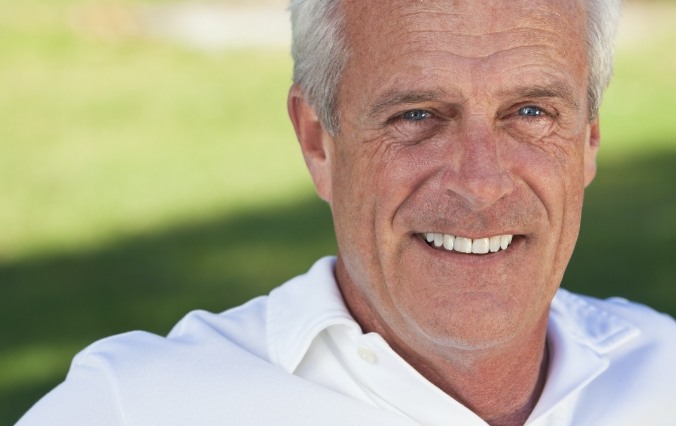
(468, 245)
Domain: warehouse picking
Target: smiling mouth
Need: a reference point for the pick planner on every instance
(449, 242)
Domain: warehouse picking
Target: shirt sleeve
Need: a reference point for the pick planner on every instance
(86, 397)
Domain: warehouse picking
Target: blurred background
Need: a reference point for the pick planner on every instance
(147, 168)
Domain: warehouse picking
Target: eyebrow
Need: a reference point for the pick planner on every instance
(395, 97)
(556, 89)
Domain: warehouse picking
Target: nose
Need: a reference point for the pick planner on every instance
(477, 171)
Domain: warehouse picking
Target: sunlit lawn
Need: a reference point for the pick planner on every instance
(139, 180)
(103, 139)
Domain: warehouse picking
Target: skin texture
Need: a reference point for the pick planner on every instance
(465, 118)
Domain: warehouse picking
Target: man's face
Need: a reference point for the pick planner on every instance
(469, 120)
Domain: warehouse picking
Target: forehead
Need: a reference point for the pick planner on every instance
(373, 21)
(461, 35)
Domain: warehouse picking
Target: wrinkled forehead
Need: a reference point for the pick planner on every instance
(387, 25)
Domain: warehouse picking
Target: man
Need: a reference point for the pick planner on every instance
(453, 141)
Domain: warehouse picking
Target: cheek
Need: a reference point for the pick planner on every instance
(360, 191)
(555, 175)
(553, 167)
(380, 172)
(409, 167)
(370, 186)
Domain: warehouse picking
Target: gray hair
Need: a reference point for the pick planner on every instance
(320, 53)
(603, 18)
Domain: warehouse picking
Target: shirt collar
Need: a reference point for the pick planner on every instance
(590, 324)
(301, 309)
(580, 334)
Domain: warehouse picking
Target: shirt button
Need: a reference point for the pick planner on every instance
(367, 355)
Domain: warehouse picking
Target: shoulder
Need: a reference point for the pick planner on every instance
(244, 326)
(634, 347)
(207, 357)
(126, 378)
(201, 341)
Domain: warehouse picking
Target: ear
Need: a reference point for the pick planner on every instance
(315, 142)
(590, 150)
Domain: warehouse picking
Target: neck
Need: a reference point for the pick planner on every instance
(502, 387)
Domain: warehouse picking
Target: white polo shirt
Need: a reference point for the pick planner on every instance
(297, 357)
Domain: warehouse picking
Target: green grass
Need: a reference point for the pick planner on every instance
(637, 114)
(101, 140)
(139, 180)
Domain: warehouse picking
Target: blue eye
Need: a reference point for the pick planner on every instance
(416, 115)
(531, 111)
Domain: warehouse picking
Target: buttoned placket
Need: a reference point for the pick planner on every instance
(393, 384)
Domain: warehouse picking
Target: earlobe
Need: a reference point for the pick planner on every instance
(315, 142)
(591, 150)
